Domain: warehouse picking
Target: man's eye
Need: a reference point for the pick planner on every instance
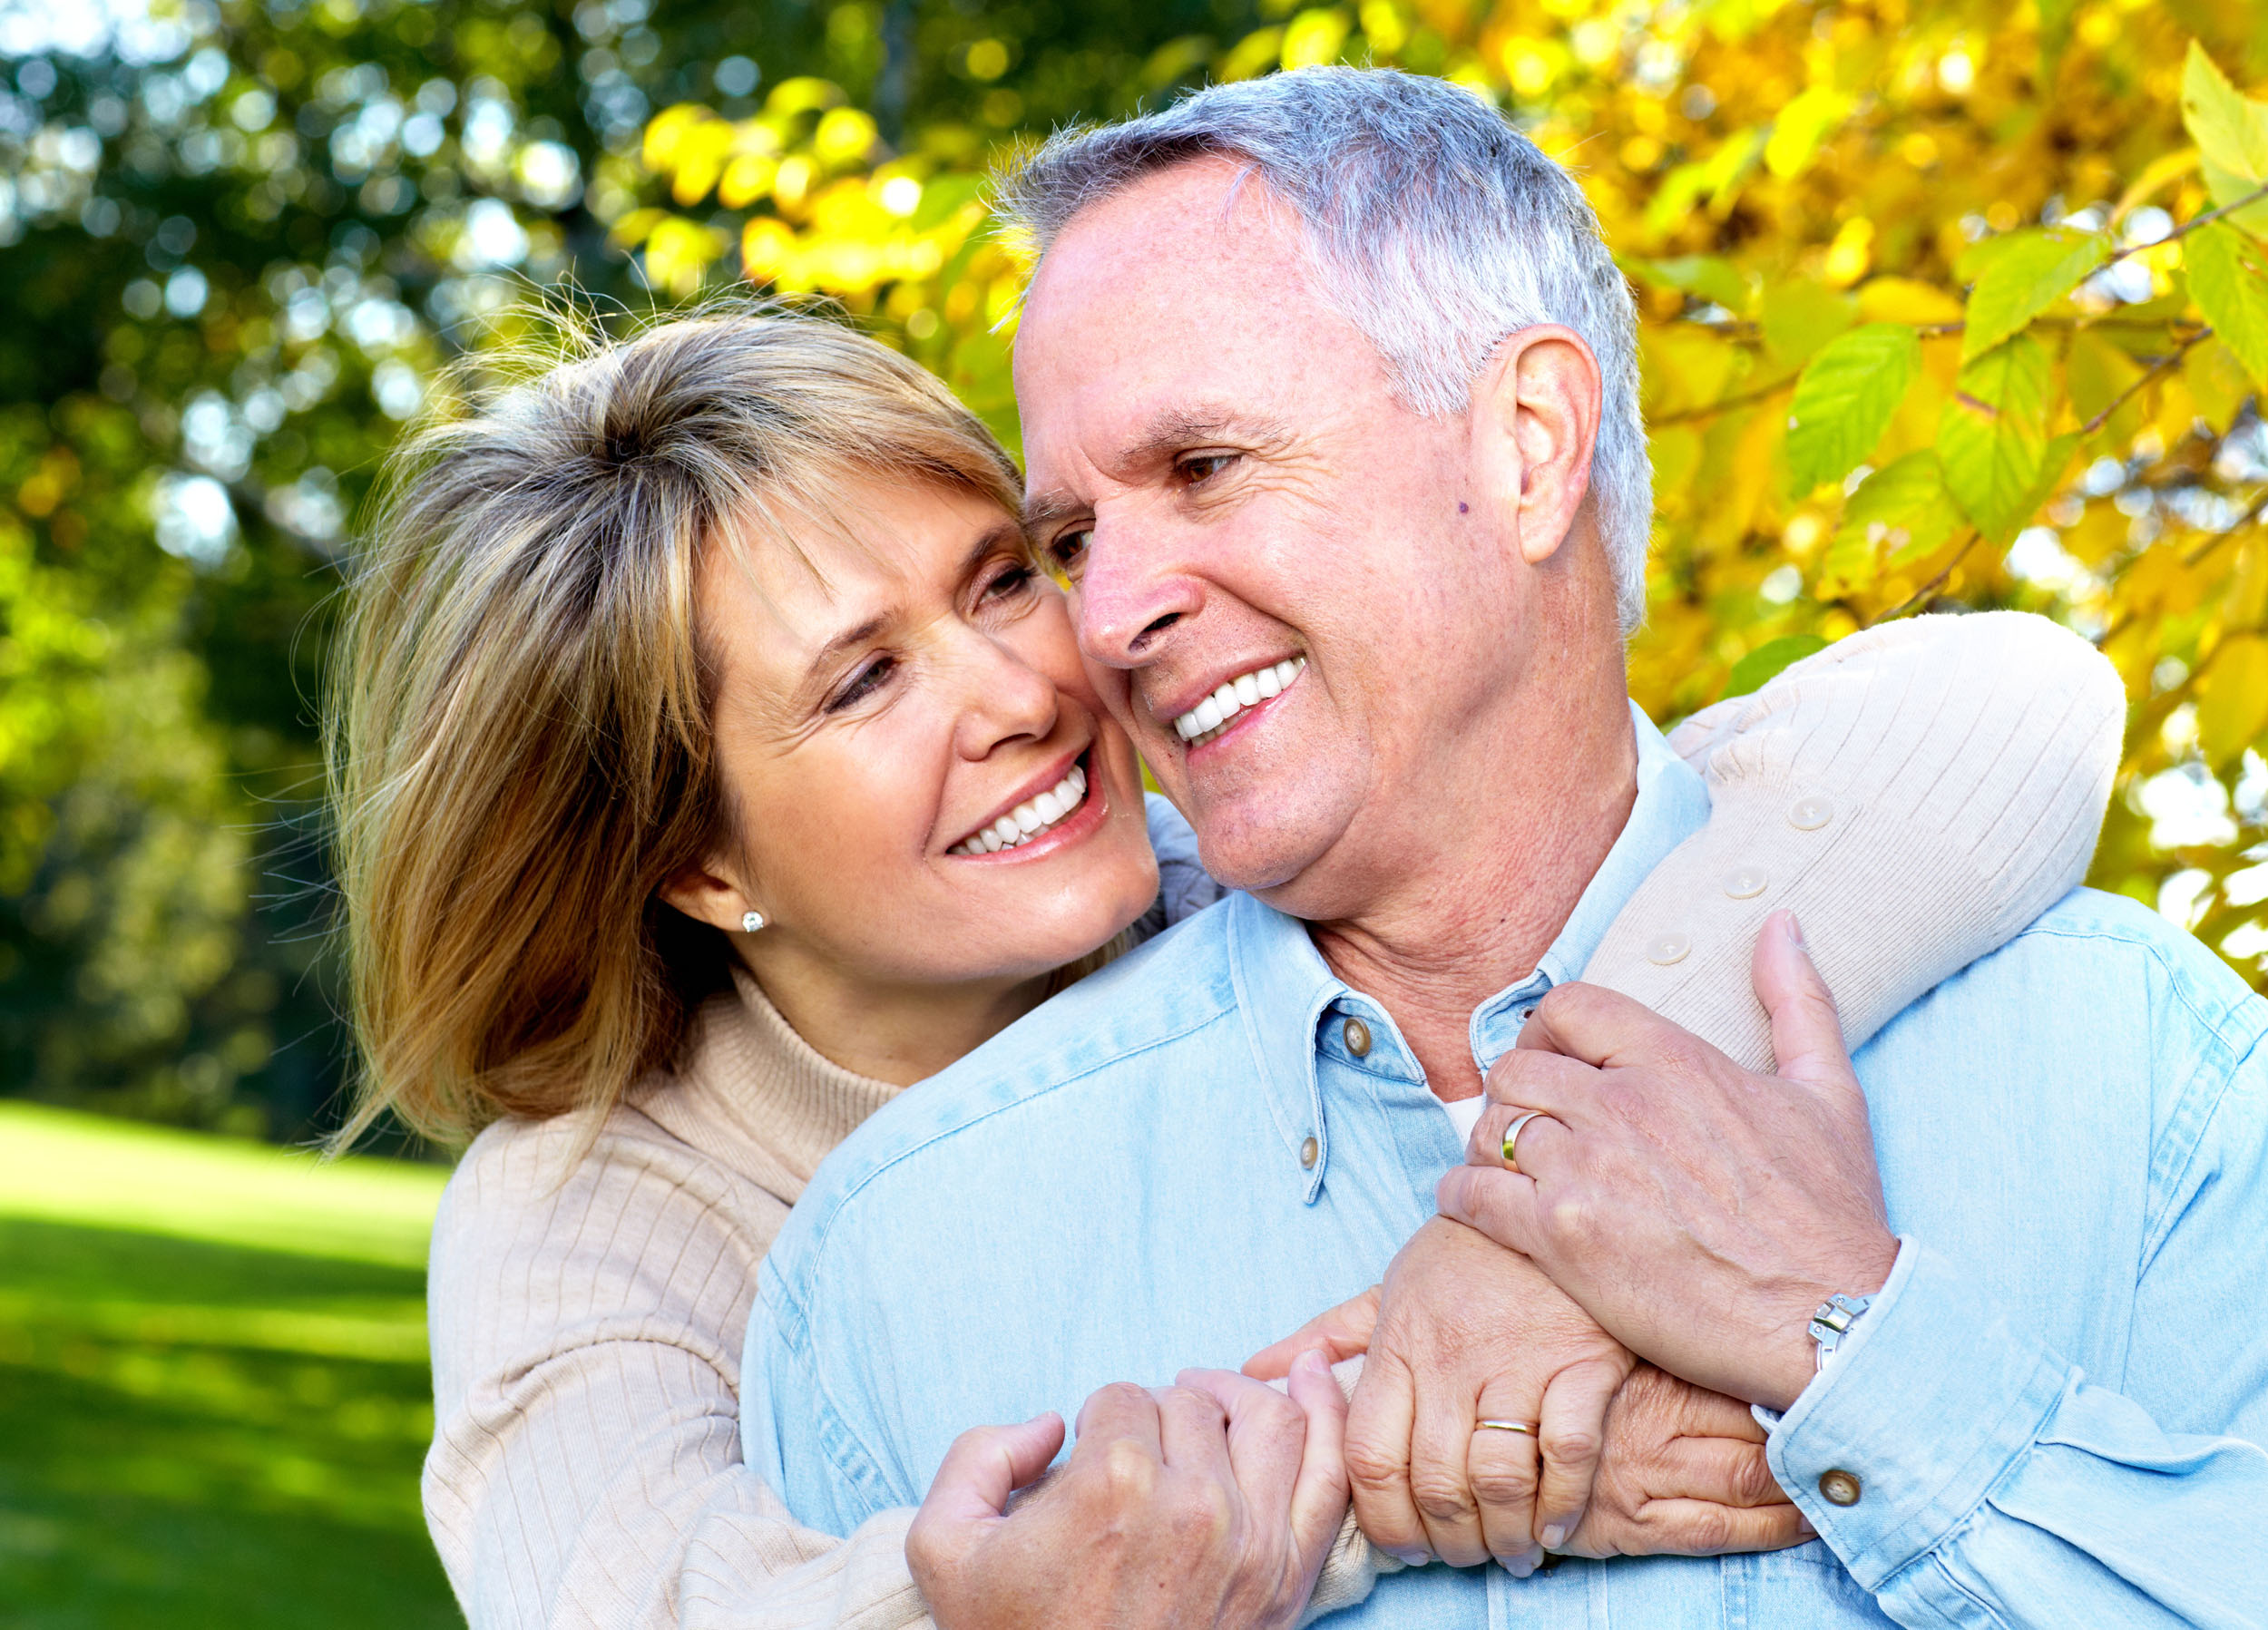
(869, 681)
(1068, 551)
(1200, 467)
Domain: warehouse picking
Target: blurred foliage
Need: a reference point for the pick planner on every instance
(1934, 317)
(208, 1418)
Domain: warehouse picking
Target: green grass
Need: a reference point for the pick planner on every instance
(213, 1393)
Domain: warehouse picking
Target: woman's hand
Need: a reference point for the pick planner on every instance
(1212, 1501)
(1676, 1470)
(1469, 1331)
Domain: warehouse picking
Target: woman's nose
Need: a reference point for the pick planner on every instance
(1007, 698)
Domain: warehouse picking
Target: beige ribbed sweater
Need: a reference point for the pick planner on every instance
(588, 1308)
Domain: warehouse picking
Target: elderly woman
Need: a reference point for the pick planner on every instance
(713, 763)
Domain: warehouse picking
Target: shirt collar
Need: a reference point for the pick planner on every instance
(1283, 986)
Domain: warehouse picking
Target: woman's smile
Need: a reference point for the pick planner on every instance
(1043, 822)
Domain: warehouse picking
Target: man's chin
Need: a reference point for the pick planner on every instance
(1270, 858)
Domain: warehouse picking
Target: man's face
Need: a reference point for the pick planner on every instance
(1216, 456)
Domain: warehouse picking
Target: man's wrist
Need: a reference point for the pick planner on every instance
(1797, 1358)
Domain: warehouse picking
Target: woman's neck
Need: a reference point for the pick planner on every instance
(896, 1033)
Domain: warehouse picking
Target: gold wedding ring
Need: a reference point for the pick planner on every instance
(1530, 1427)
(1512, 1138)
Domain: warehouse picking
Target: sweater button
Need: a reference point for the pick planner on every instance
(1666, 949)
(1310, 1151)
(1809, 815)
(1357, 1036)
(1839, 1488)
(1744, 882)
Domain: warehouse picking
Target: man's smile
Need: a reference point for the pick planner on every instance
(1210, 717)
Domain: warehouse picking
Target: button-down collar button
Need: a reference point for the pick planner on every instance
(1744, 882)
(1357, 1036)
(1809, 815)
(1311, 1151)
(1668, 947)
(1839, 1488)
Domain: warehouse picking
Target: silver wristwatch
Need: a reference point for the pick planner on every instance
(1833, 1322)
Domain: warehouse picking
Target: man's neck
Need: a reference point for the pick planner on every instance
(1477, 912)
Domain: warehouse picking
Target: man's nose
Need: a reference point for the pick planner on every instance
(1129, 594)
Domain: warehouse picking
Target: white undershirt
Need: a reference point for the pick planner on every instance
(1465, 1114)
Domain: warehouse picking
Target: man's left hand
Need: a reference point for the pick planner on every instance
(1698, 1211)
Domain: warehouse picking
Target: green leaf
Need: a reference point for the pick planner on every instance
(2035, 271)
(1902, 508)
(2231, 133)
(1759, 666)
(2227, 280)
(1845, 399)
(1993, 440)
(2232, 136)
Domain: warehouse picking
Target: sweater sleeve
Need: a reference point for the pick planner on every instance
(1916, 793)
(586, 1465)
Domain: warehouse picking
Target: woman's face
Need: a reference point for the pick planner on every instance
(925, 789)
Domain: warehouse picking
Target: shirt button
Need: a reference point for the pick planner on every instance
(1745, 882)
(1839, 1488)
(1357, 1036)
(1809, 815)
(1666, 949)
(1310, 1151)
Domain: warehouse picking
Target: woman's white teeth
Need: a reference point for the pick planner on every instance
(1246, 690)
(1027, 821)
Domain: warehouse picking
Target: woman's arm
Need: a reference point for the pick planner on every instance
(586, 1465)
(1915, 794)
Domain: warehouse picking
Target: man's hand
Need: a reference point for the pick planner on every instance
(1684, 1475)
(1697, 1211)
(1212, 1501)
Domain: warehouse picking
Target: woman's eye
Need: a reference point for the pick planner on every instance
(1200, 467)
(869, 681)
(1068, 550)
(1010, 583)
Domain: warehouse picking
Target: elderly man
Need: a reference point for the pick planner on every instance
(1333, 367)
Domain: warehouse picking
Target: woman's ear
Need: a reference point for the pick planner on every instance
(708, 895)
(1535, 420)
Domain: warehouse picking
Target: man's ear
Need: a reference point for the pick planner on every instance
(708, 894)
(1535, 420)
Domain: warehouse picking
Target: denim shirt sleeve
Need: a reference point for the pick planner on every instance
(1999, 1485)
(793, 1433)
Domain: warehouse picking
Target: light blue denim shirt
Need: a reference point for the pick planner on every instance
(2053, 1408)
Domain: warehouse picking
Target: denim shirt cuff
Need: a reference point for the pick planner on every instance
(1931, 1400)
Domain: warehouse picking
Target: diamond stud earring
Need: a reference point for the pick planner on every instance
(752, 922)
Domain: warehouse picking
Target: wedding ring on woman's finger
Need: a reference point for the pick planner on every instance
(1530, 1427)
(1512, 1137)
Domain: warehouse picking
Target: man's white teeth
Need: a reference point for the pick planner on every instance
(1027, 821)
(1233, 698)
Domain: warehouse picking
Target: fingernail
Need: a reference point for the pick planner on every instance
(1552, 1535)
(1803, 1527)
(1794, 929)
(1312, 1362)
(1410, 1559)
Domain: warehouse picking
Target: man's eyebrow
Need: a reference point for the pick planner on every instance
(1173, 431)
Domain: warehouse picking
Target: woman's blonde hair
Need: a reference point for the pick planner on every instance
(518, 727)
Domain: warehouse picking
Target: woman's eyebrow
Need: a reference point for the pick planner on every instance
(848, 638)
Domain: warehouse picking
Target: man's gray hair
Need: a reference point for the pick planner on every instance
(1435, 227)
